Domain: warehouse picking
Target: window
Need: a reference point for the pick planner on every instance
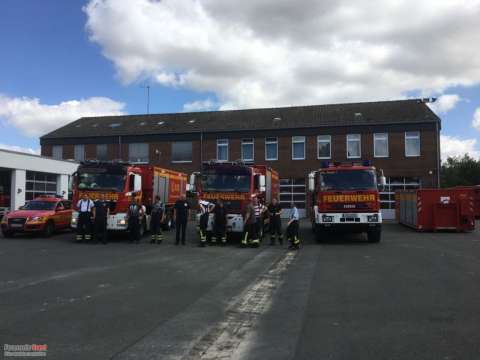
(57, 152)
(39, 183)
(247, 149)
(271, 148)
(182, 151)
(298, 147)
(353, 146)
(102, 152)
(222, 150)
(412, 143)
(79, 152)
(138, 152)
(380, 145)
(324, 146)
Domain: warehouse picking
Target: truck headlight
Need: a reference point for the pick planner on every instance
(121, 222)
(327, 218)
(74, 220)
(372, 218)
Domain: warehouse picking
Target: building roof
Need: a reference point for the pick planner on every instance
(312, 116)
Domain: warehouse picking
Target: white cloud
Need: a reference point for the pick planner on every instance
(33, 118)
(200, 105)
(476, 119)
(283, 52)
(20, 149)
(445, 103)
(452, 146)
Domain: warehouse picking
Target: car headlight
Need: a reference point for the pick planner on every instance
(36, 218)
(74, 220)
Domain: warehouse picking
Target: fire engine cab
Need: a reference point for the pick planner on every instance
(345, 197)
(236, 184)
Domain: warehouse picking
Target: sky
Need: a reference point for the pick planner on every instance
(61, 60)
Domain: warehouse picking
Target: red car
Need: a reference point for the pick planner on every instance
(45, 214)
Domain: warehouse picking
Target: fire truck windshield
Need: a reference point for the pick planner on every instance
(101, 181)
(226, 182)
(348, 180)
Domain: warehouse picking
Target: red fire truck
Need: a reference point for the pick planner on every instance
(235, 183)
(345, 197)
(121, 182)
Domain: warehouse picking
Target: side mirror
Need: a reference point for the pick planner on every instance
(382, 180)
(137, 183)
(311, 182)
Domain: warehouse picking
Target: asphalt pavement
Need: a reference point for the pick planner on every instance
(412, 296)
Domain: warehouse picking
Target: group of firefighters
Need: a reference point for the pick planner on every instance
(93, 215)
(254, 216)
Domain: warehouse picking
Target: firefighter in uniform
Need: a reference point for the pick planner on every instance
(250, 224)
(205, 208)
(156, 221)
(260, 210)
(274, 212)
(134, 215)
(86, 210)
(220, 222)
(100, 220)
(292, 228)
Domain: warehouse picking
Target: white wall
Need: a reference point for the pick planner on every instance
(62, 185)
(17, 198)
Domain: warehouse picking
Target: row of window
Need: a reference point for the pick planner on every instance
(182, 150)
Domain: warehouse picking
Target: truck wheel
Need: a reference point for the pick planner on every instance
(374, 236)
(320, 234)
(49, 229)
(8, 233)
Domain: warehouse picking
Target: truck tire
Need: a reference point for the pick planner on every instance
(374, 236)
(320, 234)
(8, 233)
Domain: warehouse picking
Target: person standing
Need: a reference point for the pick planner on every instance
(250, 225)
(274, 214)
(181, 213)
(292, 228)
(203, 223)
(156, 221)
(134, 216)
(102, 211)
(86, 211)
(260, 210)
(220, 222)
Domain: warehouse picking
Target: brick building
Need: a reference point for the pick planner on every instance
(400, 137)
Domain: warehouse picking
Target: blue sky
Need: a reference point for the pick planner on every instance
(55, 51)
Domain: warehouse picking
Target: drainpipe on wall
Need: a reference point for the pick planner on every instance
(439, 160)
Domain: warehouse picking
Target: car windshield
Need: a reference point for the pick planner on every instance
(39, 205)
(101, 181)
(348, 180)
(226, 182)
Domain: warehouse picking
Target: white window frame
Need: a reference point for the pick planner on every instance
(380, 136)
(106, 152)
(180, 161)
(137, 161)
(416, 136)
(248, 141)
(358, 137)
(271, 142)
(223, 143)
(324, 141)
(58, 148)
(298, 140)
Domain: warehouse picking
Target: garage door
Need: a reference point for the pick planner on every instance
(293, 190)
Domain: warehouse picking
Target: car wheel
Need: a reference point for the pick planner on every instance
(49, 229)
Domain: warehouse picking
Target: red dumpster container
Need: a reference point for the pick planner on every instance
(476, 198)
(437, 209)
